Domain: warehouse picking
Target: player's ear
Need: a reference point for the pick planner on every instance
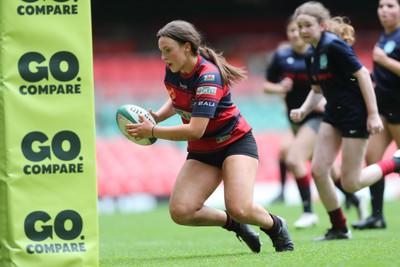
(187, 47)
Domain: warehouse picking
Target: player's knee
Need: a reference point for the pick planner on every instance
(180, 214)
(238, 213)
(350, 186)
(291, 163)
(318, 173)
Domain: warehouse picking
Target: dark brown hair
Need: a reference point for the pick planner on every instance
(183, 32)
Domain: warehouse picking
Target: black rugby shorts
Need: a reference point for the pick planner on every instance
(246, 145)
(390, 110)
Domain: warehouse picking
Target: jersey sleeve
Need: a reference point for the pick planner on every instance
(343, 55)
(208, 93)
(273, 72)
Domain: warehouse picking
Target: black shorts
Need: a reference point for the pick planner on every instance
(352, 132)
(351, 121)
(390, 109)
(246, 145)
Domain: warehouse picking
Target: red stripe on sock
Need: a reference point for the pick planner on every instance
(228, 223)
(387, 166)
(304, 182)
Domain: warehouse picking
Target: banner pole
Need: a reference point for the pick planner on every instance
(48, 183)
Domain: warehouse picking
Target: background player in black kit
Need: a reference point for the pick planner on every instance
(386, 57)
(221, 146)
(351, 112)
(287, 75)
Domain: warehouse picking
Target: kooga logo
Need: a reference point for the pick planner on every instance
(34, 8)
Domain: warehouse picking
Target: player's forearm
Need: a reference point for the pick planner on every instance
(365, 83)
(311, 102)
(392, 65)
(166, 111)
(273, 88)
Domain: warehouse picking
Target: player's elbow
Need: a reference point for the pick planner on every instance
(362, 73)
(195, 134)
(196, 128)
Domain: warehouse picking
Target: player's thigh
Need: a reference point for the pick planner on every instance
(326, 149)
(378, 143)
(353, 154)
(239, 174)
(286, 140)
(303, 145)
(394, 130)
(196, 181)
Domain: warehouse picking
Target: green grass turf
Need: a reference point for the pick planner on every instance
(152, 239)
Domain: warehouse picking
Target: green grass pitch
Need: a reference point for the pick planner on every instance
(152, 239)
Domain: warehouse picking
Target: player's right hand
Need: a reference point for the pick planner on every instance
(297, 115)
(286, 84)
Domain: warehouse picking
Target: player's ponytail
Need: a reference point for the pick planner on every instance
(229, 73)
(342, 28)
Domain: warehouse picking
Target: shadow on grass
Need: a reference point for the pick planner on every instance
(165, 259)
(191, 257)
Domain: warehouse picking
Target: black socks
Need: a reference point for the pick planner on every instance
(231, 224)
(274, 230)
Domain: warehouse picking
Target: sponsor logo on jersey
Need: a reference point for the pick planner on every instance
(223, 138)
(208, 90)
(205, 103)
(183, 86)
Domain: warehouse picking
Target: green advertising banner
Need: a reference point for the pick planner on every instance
(48, 188)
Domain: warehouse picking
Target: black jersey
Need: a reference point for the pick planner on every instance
(387, 82)
(287, 63)
(331, 66)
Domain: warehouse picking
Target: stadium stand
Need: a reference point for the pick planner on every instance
(121, 75)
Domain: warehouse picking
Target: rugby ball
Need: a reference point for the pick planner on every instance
(127, 114)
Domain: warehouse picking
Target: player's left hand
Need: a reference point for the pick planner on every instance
(379, 56)
(140, 130)
(374, 124)
(297, 115)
